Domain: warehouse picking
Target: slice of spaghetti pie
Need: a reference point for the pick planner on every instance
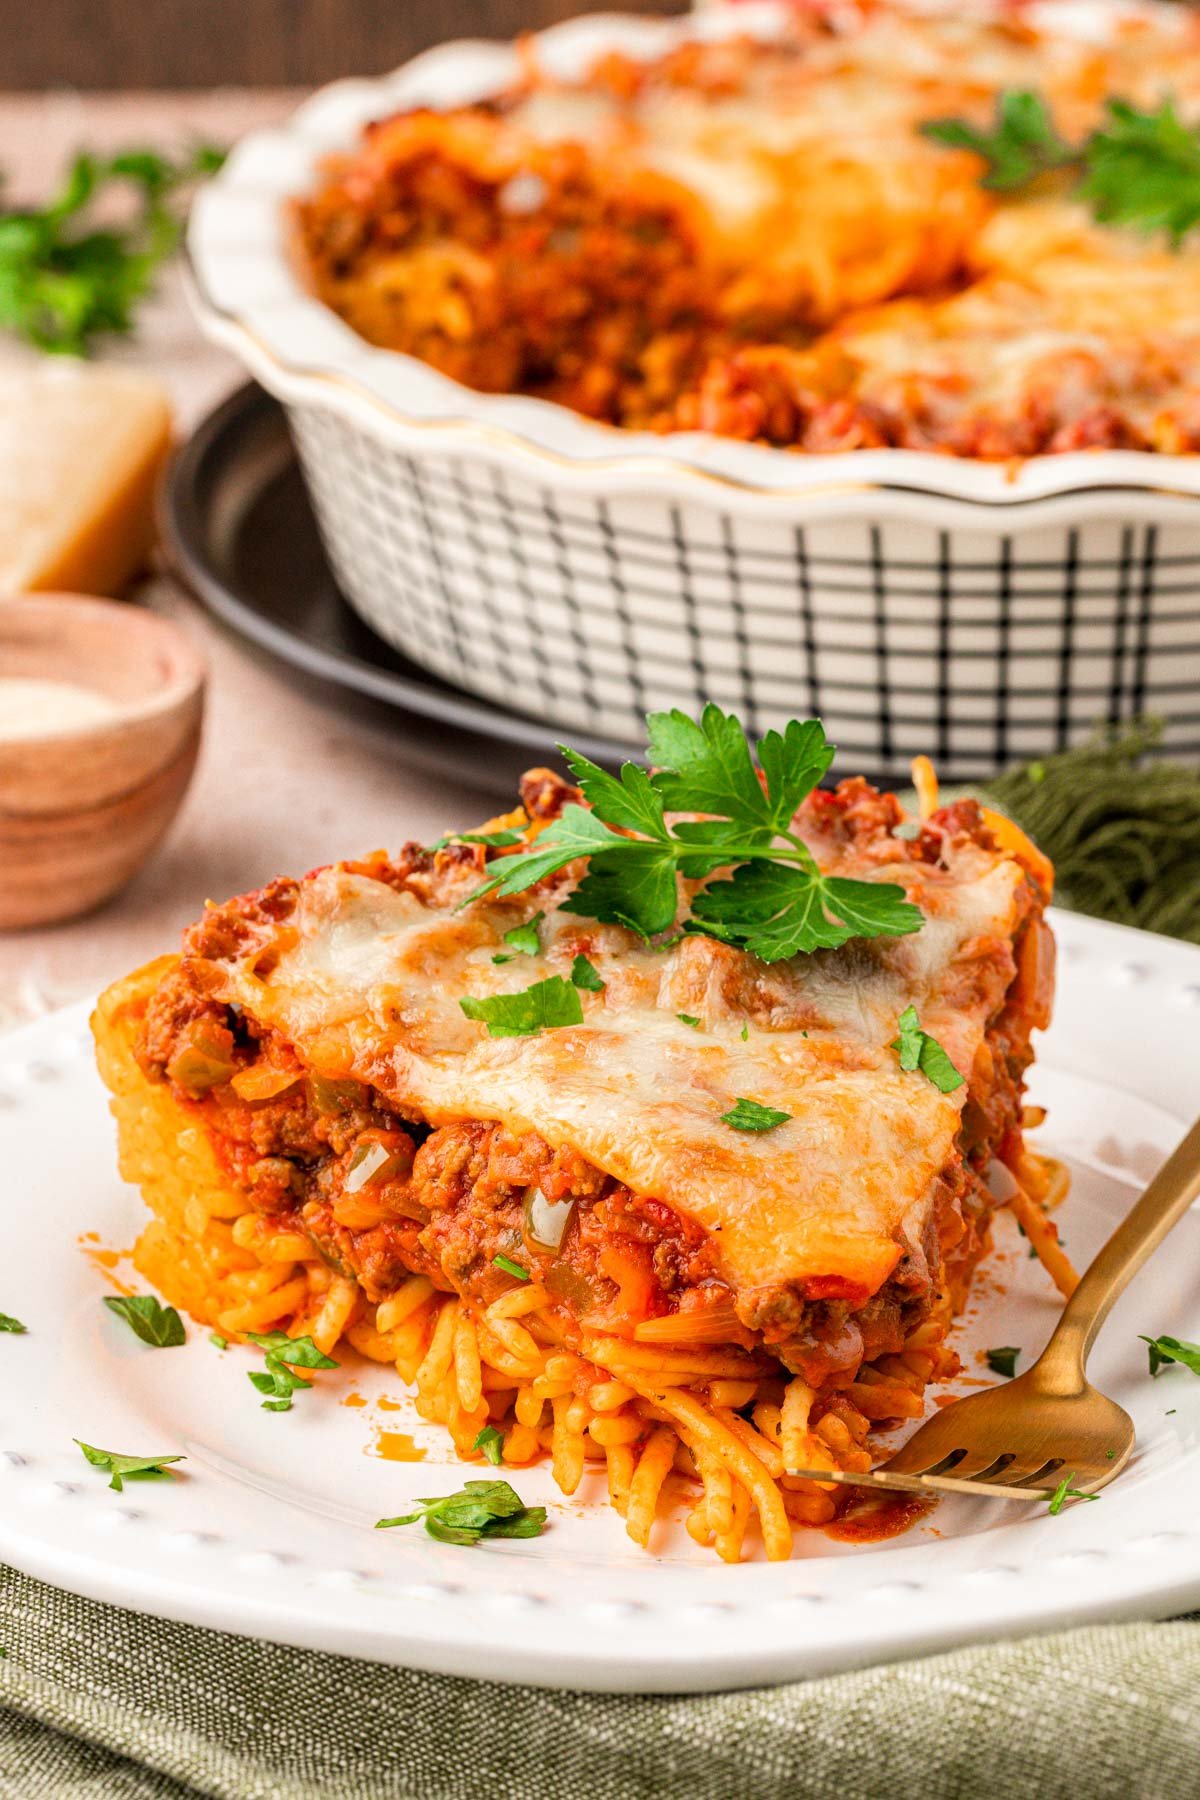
(566, 1121)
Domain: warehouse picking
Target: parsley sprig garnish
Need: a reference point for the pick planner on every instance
(918, 1050)
(1022, 144)
(777, 902)
(284, 1356)
(480, 1509)
(126, 1468)
(157, 1325)
(1166, 1350)
(64, 279)
(1137, 168)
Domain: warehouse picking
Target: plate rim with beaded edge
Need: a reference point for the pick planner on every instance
(267, 1531)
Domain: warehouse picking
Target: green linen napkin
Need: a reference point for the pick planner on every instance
(95, 1701)
(102, 1702)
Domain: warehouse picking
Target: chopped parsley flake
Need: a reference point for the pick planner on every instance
(214, 1337)
(687, 1019)
(1064, 1491)
(8, 1323)
(585, 975)
(749, 1115)
(480, 1509)
(544, 1005)
(491, 1443)
(284, 1355)
(525, 939)
(126, 1468)
(1164, 1350)
(1003, 1360)
(510, 1267)
(920, 1051)
(155, 1324)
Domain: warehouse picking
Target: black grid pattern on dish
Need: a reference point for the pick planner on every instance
(978, 646)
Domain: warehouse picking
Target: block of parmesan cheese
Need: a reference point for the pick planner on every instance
(81, 450)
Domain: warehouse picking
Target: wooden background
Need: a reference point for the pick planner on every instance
(259, 43)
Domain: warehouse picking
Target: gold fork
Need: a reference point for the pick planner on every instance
(1009, 1442)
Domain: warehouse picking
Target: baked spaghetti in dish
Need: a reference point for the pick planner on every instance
(758, 239)
(656, 1202)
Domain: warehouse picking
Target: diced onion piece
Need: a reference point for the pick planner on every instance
(263, 1082)
(1002, 1184)
(371, 1162)
(546, 1221)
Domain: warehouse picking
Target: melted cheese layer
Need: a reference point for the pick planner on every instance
(371, 984)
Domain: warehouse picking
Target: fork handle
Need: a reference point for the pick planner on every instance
(1142, 1230)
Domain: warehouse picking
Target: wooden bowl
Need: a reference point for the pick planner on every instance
(81, 809)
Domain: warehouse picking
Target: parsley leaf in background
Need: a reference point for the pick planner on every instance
(920, 1051)
(1022, 144)
(65, 278)
(283, 1356)
(1140, 169)
(8, 1323)
(126, 1468)
(537, 1008)
(1003, 1360)
(1165, 1350)
(491, 1443)
(157, 1325)
(586, 975)
(777, 903)
(1143, 169)
(480, 1509)
(749, 1115)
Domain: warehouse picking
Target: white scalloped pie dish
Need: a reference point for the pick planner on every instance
(268, 1530)
(587, 574)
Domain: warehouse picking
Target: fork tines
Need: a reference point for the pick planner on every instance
(921, 1484)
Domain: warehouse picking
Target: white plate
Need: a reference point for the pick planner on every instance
(269, 1530)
